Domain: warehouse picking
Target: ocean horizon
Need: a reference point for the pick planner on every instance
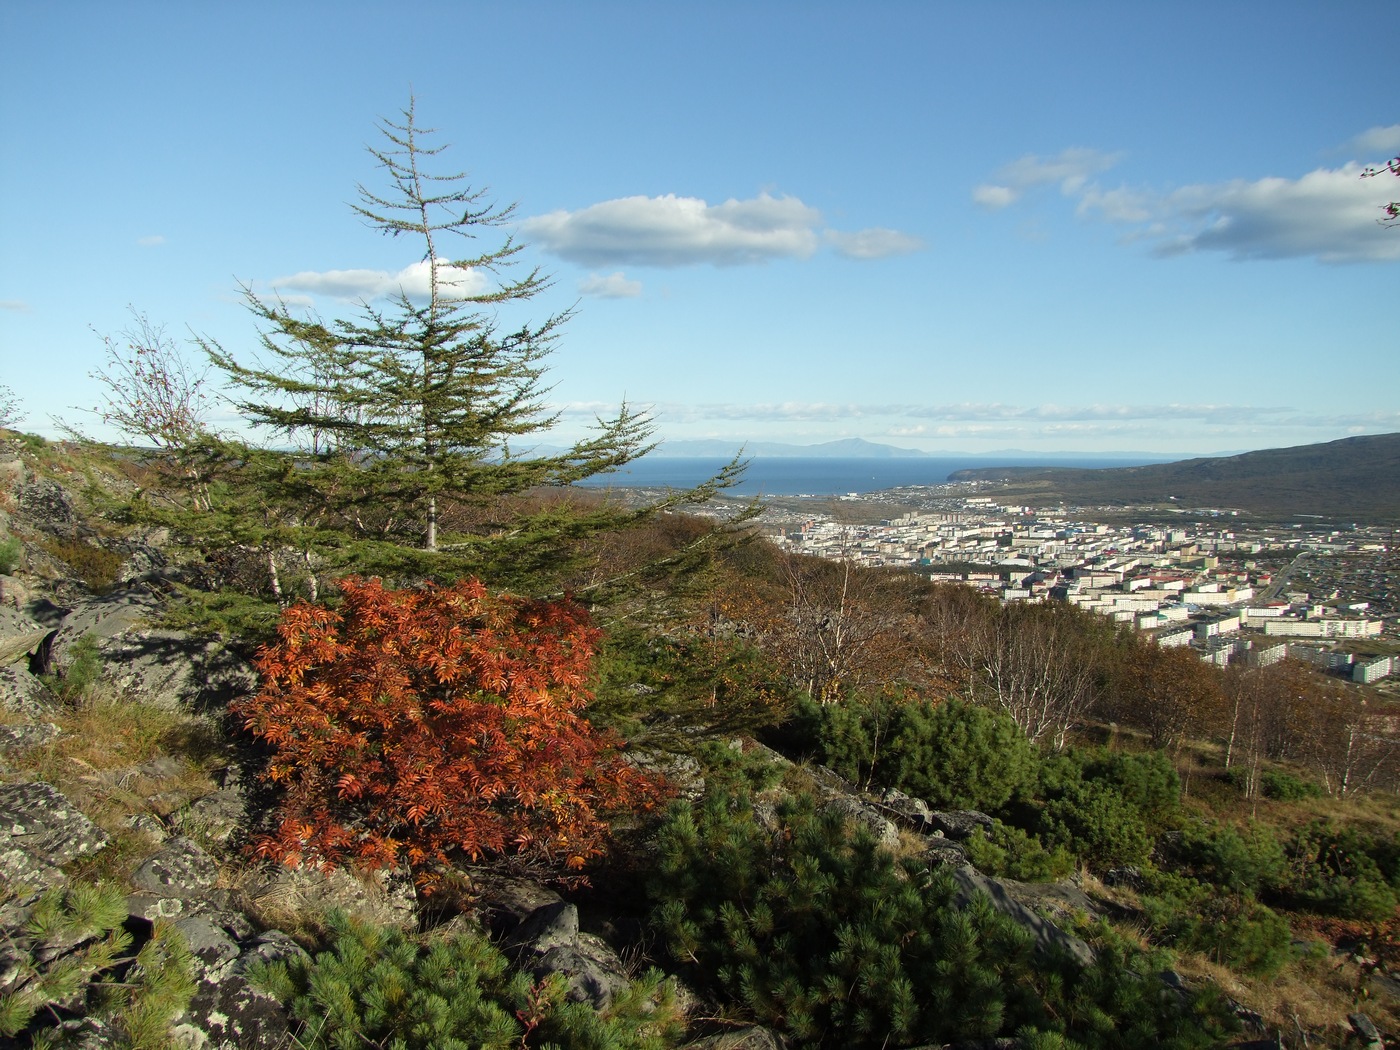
(819, 476)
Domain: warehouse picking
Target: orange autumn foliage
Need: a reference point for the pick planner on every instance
(433, 722)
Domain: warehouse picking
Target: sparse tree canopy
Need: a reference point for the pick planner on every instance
(408, 420)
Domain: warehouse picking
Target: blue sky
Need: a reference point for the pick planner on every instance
(963, 227)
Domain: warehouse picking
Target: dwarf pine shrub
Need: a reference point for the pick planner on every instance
(375, 986)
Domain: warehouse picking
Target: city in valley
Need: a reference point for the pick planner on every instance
(1232, 589)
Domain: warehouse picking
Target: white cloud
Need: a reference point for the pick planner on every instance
(613, 286)
(1071, 168)
(154, 240)
(1330, 214)
(364, 285)
(18, 305)
(679, 231)
(674, 231)
(874, 243)
(994, 198)
(1380, 143)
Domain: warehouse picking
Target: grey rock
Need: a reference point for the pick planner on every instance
(23, 644)
(551, 926)
(549, 942)
(36, 818)
(23, 693)
(1366, 1031)
(940, 850)
(960, 823)
(170, 669)
(593, 973)
(1127, 878)
(24, 871)
(181, 870)
(1048, 936)
(20, 737)
(506, 901)
(380, 898)
(913, 811)
(218, 816)
(212, 947)
(866, 816)
(232, 1014)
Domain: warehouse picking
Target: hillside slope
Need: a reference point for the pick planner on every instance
(1357, 477)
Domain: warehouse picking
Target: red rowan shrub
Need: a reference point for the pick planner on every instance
(432, 722)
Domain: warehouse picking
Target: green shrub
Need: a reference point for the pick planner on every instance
(10, 551)
(952, 755)
(1344, 871)
(1284, 787)
(1252, 863)
(1010, 853)
(1095, 823)
(817, 932)
(1146, 780)
(70, 956)
(380, 987)
(1233, 929)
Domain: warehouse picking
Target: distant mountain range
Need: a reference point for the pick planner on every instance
(1356, 477)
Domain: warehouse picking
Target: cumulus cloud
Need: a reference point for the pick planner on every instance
(1330, 214)
(671, 231)
(679, 231)
(364, 285)
(874, 243)
(153, 241)
(1071, 169)
(613, 286)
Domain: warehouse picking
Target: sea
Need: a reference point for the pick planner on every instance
(803, 476)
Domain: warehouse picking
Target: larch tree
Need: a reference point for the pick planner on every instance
(407, 421)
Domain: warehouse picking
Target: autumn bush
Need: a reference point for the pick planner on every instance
(436, 722)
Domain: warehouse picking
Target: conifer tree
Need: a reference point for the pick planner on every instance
(408, 418)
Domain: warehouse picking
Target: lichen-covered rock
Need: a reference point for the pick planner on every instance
(380, 898)
(1048, 936)
(169, 669)
(913, 811)
(217, 817)
(865, 816)
(23, 693)
(34, 817)
(960, 823)
(180, 869)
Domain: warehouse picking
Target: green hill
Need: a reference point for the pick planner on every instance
(1354, 478)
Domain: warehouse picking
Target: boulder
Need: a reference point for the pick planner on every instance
(914, 812)
(38, 820)
(549, 942)
(866, 816)
(170, 669)
(1047, 936)
(22, 693)
(1366, 1032)
(217, 817)
(960, 823)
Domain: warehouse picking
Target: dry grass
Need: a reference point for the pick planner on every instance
(96, 761)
